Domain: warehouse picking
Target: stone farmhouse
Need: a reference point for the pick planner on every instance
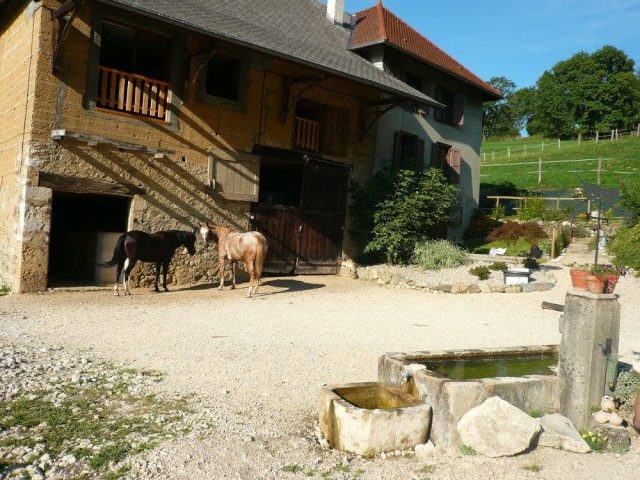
(157, 114)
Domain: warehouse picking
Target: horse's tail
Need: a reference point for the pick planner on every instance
(119, 254)
(261, 253)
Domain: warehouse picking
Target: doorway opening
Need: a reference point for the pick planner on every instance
(84, 228)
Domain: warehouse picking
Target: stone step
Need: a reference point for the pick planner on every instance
(577, 248)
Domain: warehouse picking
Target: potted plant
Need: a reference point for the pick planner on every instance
(596, 284)
(610, 273)
(579, 273)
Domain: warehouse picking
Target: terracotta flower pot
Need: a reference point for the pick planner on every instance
(579, 279)
(611, 285)
(594, 285)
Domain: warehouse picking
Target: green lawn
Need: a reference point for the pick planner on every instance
(517, 161)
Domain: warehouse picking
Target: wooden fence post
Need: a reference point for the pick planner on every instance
(558, 144)
(579, 138)
(612, 135)
(599, 168)
(553, 243)
(493, 156)
(539, 171)
(542, 147)
(597, 136)
(508, 152)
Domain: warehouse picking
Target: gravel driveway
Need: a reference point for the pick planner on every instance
(259, 363)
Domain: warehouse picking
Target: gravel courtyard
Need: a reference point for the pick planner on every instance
(259, 364)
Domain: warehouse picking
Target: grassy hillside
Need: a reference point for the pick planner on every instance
(517, 162)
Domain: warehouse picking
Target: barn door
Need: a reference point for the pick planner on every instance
(279, 224)
(322, 214)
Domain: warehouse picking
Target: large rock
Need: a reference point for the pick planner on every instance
(559, 432)
(497, 429)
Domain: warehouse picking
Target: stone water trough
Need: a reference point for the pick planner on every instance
(523, 376)
(370, 418)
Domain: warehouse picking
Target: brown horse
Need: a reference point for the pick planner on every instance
(251, 247)
(156, 247)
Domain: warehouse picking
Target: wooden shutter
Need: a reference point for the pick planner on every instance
(235, 178)
(458, 110)
(336, 132)
(397, 150)
(453, 165)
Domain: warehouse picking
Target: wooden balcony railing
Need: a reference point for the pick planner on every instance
(307, 134)
(133, 94)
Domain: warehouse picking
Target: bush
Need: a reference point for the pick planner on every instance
(480, 271)
(630, 199)
(480, 225)
(411, 206)
(498, 266)
(533, 209)
(437, 254)
(531, 263)
(510, 232)
(625, 247)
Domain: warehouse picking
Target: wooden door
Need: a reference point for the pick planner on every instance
(322, 215)
(279, 225)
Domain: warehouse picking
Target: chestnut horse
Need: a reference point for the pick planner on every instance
(251, 247)
(156, 247)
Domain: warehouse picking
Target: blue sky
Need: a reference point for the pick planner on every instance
(519, 39)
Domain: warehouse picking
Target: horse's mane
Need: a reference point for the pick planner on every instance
(183, 236)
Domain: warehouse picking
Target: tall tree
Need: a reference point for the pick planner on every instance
(587, 92)
(498, 117)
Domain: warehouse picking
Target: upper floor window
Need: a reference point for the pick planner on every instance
(134, 69)
(421, 85)
(223, 77)
(447, 159)
(321, 129)
(453, 113)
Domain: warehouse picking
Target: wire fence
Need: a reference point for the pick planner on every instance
(530, 147)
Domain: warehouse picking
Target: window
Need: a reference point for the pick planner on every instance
(321, 129)
(448, 159)
(453, 113)
(133, 72)
(408, 151)
(223, 77)
(419, 84)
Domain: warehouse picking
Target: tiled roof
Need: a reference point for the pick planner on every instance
(377, 25)
(296, 30)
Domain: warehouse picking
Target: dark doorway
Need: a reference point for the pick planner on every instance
(80, 223)
(301, 212)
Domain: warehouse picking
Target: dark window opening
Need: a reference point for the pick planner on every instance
(280, 183)
(135, 51)
(453, 113)
(408, 152)
(447, 159)
(223, 77)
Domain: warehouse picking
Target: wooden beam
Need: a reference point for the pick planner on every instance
(96, 139)
(363, 128)
(310, 81)
(67, 183)
(58, 38)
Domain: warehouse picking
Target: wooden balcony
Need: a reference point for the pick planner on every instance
(307, 135)
(133, 94)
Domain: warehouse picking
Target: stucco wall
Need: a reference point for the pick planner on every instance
(176, 185)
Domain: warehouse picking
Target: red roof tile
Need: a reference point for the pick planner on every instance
(378, 25)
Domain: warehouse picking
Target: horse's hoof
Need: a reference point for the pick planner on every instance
(233, 287)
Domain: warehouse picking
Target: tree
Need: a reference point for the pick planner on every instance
(398, 208)
(499, 116)
(586, 92)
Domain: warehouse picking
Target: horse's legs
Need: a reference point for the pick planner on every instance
(165, 267)
(156, 289)
(221, 268)
(252, 275)
(128, 266)
(116, 290)
(233, 274)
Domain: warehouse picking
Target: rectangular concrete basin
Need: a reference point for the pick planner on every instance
(370, 418)
(450, 399)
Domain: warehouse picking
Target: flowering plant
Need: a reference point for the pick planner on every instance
(607, 270)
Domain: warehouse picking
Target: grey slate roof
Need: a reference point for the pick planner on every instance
(297, 30)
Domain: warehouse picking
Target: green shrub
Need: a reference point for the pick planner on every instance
(534, 208)
(498, 266)
(480, 271)
(630, 199)
(625, 247)
(627, 387)
(531, 263)
(437, 254)
(480, 225)
(4, 289)
(510, 232)
(416, 203)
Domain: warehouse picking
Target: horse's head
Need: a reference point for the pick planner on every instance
(206, 232)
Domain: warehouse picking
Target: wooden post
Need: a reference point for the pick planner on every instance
(558, 144)
(508, 152)
(579, 138)
(539, 171)
(599, 170)
(493, 156)
(638, 131)
(542, 147)
(553, 243)
(612, 135)
(525, 149)
(597, 136)
(484, 156)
